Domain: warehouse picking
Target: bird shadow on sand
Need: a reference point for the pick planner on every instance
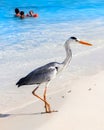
(4, 115)
(22, 114)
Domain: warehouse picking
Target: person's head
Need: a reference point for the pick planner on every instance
(22, 14)
(17, 10)
(31, 13)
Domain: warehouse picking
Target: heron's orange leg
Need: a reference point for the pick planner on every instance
(46, 107)
(46, 103)
(48, 110)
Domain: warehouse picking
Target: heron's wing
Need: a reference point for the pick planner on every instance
(40, 75)
(43, 74)
(46, 68)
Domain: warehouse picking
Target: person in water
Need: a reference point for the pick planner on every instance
(17, 12)
(22, 15)
(32, 14)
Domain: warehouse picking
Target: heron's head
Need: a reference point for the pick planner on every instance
(79, 41)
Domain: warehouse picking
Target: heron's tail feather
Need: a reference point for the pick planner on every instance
(21, 82)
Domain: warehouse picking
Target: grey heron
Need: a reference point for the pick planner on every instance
(46, 73)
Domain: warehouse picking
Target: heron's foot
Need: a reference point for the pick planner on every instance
(52, 111)
(49, 111)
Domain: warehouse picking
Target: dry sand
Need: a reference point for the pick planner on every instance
(82, 108)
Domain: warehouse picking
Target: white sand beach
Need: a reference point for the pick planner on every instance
(80, 107)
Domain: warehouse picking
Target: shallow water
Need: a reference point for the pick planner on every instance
(29, 43)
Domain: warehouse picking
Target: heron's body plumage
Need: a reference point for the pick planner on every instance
(40, 75)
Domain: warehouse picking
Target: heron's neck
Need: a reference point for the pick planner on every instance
(68, 54)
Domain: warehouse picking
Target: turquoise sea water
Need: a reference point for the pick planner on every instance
(50, 12)
(31, 42)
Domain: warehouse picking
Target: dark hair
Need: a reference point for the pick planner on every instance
(17, 10)
(22, 13)
(31, 12)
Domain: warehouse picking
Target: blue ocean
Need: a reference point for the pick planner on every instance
(28, 43)
(50, 12)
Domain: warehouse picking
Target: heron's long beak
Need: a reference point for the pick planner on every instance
(85, 43)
